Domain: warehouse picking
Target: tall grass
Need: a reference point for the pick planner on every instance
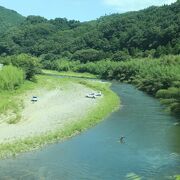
(29, 64)
(171, 98)
(69, 74)
(10, 78)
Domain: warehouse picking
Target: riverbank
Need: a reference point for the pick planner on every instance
(70, 74)
(62, 112)
(157, 77)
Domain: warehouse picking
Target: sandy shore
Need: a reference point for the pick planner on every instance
(54, 109)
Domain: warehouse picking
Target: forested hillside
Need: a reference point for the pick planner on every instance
(154, 31)
(8, 19)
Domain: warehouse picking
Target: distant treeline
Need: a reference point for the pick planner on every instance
(152, 32)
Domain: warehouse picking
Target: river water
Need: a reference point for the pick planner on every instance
(151, 149)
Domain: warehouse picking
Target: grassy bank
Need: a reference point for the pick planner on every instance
(106, 105)
(70, 74)
(11, 100)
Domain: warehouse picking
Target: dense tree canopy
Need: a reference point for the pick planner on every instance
(152, 32)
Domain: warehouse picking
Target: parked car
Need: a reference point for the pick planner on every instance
(34, 99)
(91, 95)
(98, 94)
(94, 94)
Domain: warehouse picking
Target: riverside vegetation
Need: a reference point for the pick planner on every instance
(14, 79)
(158, 77)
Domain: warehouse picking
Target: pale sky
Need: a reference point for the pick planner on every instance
(83, 10)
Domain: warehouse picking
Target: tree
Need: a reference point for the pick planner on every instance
(86, 55)
(121, 56)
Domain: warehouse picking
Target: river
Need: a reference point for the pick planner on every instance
(151, 149)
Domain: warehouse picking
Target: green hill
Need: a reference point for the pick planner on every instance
(9, 18)
(154, 31)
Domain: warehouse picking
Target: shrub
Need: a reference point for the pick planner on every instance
(30, 65)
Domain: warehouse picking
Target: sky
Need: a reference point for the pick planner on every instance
(82, 10)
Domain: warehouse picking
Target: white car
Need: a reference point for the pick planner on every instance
(91, 95)
(98, 94)
(34, 99)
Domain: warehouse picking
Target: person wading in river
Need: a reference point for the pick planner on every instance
(122, 139)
